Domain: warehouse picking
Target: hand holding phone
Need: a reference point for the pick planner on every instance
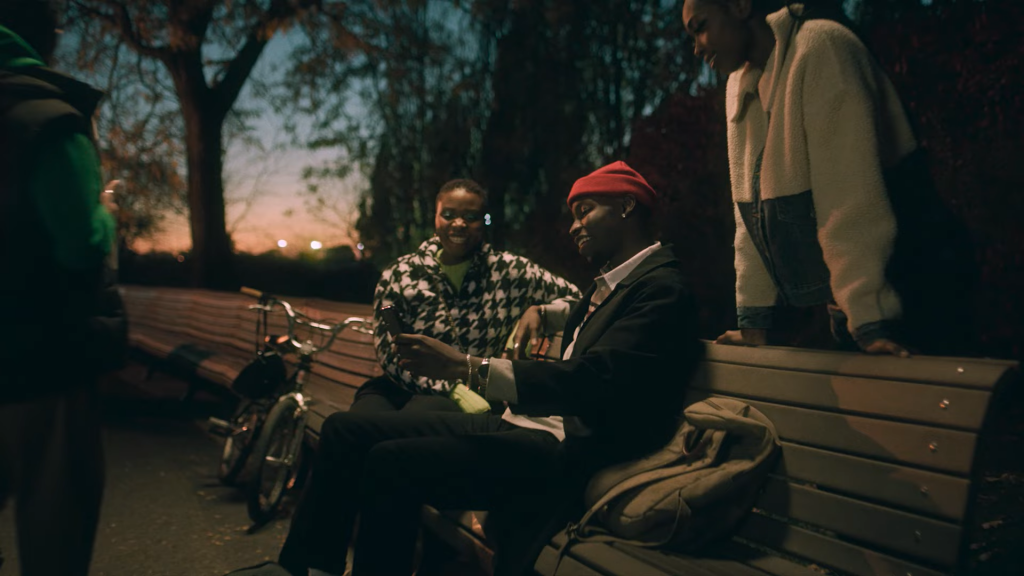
(391, 322)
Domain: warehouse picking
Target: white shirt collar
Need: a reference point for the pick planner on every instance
(619, 273)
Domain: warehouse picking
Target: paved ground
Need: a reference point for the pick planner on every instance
(164, 513)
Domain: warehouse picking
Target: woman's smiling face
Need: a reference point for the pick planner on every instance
(720, 34)
(459, 223)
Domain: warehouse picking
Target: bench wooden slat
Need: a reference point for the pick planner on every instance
(169, 333)
(349, 337)
(196, 328)
(221, 369)
(931, 493)
(900, 532)
(821, 549)
(216, 308)
(328, 397)
(678, 564)
(976, 373)
(351, 371)
(344, 377)
(353, 350)
(933, 405)
(348, 342)
(229, 310)
(277, 324)
(366, 366)
(314, 423)
(591, 558)
(569, 567)
(321, 373)
(156, 318)
(885, 440)
(773, 563)
(155, 346)
(217, 341)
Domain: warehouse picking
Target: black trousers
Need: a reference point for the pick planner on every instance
(382, 394)
(51, 466)
(383, 467)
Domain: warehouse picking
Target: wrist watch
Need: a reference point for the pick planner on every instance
(482, 373)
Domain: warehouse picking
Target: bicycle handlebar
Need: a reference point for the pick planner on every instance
(330, 327)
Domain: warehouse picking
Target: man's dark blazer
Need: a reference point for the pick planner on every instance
(625, 380)
(630, 365)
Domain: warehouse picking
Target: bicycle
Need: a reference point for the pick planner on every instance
(257, 385)
(269, 425)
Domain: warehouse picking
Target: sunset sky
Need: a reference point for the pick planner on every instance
(274, 181)
(278, 210)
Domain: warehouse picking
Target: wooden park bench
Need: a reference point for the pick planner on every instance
(207, 337)
(879, 473)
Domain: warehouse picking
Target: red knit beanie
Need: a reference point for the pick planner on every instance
(615, 179)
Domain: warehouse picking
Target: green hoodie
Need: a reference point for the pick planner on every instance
(65, 176)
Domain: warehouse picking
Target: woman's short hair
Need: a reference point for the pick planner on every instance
(466, 184)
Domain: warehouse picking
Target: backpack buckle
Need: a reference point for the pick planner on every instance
(572, 532)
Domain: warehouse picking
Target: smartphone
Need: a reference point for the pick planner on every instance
(390, 319)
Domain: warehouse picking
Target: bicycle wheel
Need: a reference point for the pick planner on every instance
(239, 443)
(277, 450)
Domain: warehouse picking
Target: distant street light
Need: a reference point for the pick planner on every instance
(282, 243)
(315, 245)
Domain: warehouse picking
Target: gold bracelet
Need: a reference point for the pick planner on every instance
(469, 373)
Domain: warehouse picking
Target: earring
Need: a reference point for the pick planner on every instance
(623, 214)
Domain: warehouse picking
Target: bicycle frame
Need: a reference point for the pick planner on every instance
(298, 380)
(305, 350)
(279, 441)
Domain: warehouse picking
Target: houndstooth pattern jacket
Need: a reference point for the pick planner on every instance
(497, 289)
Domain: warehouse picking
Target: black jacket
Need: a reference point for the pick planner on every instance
(60, 327)
(629, 369)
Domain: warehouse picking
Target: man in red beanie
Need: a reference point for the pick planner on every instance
(616, 396)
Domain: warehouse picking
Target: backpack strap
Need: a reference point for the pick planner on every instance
(576, 532)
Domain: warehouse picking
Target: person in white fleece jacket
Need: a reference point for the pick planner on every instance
(813, 126)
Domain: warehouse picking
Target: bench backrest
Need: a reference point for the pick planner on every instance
(879, 453)
(223, 319)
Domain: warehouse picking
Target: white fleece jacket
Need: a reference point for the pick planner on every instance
(836, 124)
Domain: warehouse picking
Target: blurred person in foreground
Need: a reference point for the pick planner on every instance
(55, 339)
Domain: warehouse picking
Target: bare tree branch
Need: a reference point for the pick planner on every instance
(122, 20)
(228, 88)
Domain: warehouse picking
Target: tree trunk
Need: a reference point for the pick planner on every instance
(212, 262)
(506, 138)
(211, 247)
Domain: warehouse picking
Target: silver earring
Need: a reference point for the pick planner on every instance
(623, 214)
